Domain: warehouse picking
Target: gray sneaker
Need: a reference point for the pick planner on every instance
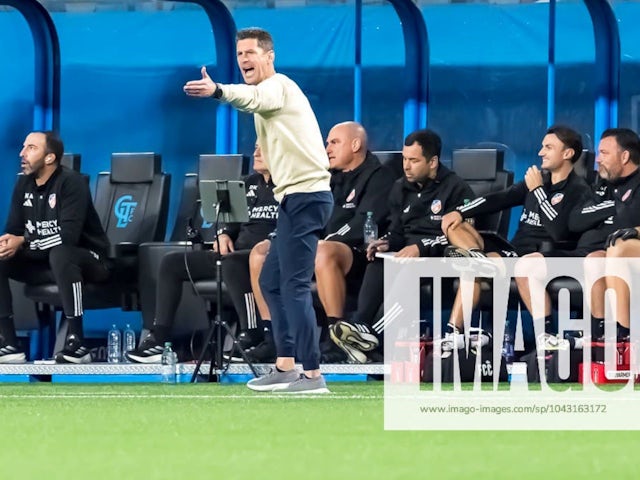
(305, 385)
(272, 380)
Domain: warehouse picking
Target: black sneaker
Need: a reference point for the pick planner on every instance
(73, 351)
(250, 338)
(263, 353)
(149, 351)
(11, 354)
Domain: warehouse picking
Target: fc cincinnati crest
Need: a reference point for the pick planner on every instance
(436, 206)
(351, 195)
(626, 195)
(557, 198)
(52, 200)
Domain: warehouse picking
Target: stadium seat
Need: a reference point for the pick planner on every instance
(132, 202)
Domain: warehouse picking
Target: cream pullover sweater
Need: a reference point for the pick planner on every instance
(287, 132)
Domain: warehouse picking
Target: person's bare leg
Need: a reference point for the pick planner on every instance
(256, 260)
(622, 249)
(530, 274)
(465, 236)
(333, 262)
(593, 273)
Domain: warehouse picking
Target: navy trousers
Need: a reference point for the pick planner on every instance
(286, 275)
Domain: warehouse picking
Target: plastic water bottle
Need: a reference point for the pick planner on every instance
(128, 342)
(370, 230)
(169, 360)
(508, 349)
(114, 345)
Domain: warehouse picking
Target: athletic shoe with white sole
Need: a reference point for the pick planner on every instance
(357, 335)
(149, 351)
(305, 385)
(11, 354)
(272, 380)
(476, 262)
(547, 341)
(74, 351)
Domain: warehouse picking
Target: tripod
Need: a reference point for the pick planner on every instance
(218, 325)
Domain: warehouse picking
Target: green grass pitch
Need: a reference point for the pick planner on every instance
(219, 431)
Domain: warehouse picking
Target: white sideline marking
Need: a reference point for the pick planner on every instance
(267, 395)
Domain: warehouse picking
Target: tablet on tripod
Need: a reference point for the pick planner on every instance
(229, 196)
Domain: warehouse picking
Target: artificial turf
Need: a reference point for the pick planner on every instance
(225, 431)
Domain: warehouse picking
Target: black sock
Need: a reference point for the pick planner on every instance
(333, 320)
(8, 330)
(266, 325)
(451, 328)
(550, 326)
(623, 332)
(74, 326)
(597, 327)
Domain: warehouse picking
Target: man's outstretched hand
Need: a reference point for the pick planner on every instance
(205, 87)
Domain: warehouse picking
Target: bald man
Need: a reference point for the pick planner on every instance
(359, 184)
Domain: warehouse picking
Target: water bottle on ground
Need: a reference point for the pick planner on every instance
(169, 361)
(370, 230)
(508, 352)
(128, 342)
(114, 345)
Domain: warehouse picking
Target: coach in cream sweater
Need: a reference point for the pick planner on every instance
(288, 132)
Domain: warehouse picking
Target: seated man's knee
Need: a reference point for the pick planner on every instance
(530, 265)
(60, 256)
(259, 253)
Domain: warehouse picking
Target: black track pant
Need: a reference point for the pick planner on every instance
(202, 266)
(236, 276)
(68, 266)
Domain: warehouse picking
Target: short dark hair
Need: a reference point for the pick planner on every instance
(429, 141)
(265, 41)
(627, 139)
(569, 137)
(53, 144)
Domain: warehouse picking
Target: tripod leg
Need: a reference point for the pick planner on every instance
(237, 348)
(205, 347)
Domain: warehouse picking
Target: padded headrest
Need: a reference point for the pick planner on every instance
(71, 161)
(584, 165)
(391, 159)
(222, 167)
(134, 167)
(477, 163)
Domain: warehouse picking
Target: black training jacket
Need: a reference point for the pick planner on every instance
(416, 212)
(364, 189)
(60, 212)
(545, 213)
(613, 205)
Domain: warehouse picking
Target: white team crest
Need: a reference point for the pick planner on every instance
(626, 195)
(436, 206)
(557, 198)
(52, 200)
(351, 195)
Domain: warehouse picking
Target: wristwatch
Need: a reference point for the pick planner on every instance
(218, 92)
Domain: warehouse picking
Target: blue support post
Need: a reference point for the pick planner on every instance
(607, 72)
(46, 112)
(224, 33)
(416, 75)
(551, 65)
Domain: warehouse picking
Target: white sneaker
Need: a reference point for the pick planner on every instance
(478, 338)
(452, 341)
(546, 341)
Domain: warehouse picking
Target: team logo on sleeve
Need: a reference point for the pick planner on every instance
(557, 198)
(52, 200)
(626, 195)
(436, 206)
